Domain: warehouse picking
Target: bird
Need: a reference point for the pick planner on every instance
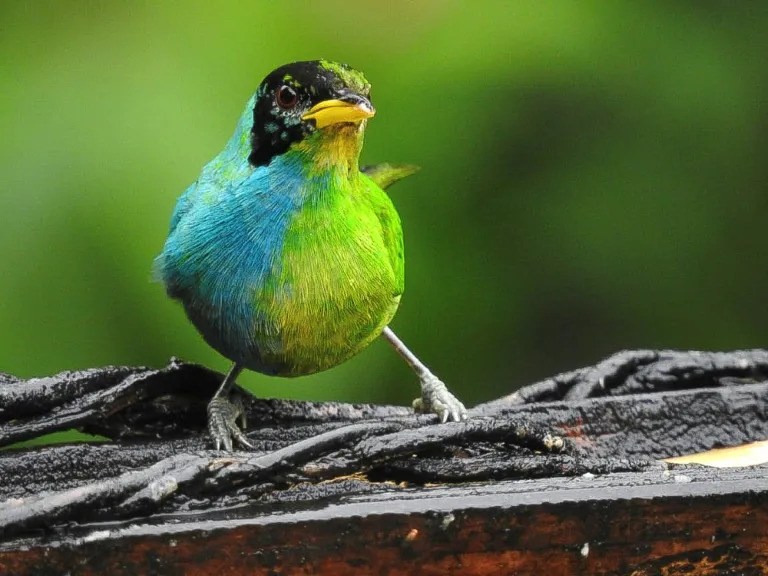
(286, 254)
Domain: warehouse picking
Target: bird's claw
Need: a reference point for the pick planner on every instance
(436, 399)
(223, 415)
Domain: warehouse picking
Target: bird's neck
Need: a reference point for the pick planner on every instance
(332, 152)
(231, 164)
(326, 161)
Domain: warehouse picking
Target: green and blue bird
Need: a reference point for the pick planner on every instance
(287, 256)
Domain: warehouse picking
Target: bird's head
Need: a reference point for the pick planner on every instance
(304, 101)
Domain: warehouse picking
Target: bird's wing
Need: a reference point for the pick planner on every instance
(387, 174)
(391, 231)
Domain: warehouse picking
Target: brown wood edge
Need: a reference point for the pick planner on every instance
(692, 521)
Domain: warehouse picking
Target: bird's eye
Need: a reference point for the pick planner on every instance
(286, 97)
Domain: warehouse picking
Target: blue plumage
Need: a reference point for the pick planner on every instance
(232, 219)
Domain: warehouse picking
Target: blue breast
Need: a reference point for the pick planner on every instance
(225, 241)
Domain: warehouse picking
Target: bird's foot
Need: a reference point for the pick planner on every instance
(436, 399)
(223, 415)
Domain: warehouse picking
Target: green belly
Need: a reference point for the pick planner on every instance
(338, 284)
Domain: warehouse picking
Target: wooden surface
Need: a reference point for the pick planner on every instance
(340, 489)
(696, 521)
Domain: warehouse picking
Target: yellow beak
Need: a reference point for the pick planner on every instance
(330, 112)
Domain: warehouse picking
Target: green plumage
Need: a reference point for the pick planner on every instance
(342, 267)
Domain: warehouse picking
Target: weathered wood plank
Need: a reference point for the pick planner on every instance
(693, 521)
(562, 477)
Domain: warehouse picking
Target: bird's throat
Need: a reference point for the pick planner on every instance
(333, 149)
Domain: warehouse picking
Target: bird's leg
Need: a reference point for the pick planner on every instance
(224, 412)
(435, 397)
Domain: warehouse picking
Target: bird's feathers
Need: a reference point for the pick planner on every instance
(387, 174)
(294, 265)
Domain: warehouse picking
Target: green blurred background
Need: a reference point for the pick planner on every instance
(594, 176)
